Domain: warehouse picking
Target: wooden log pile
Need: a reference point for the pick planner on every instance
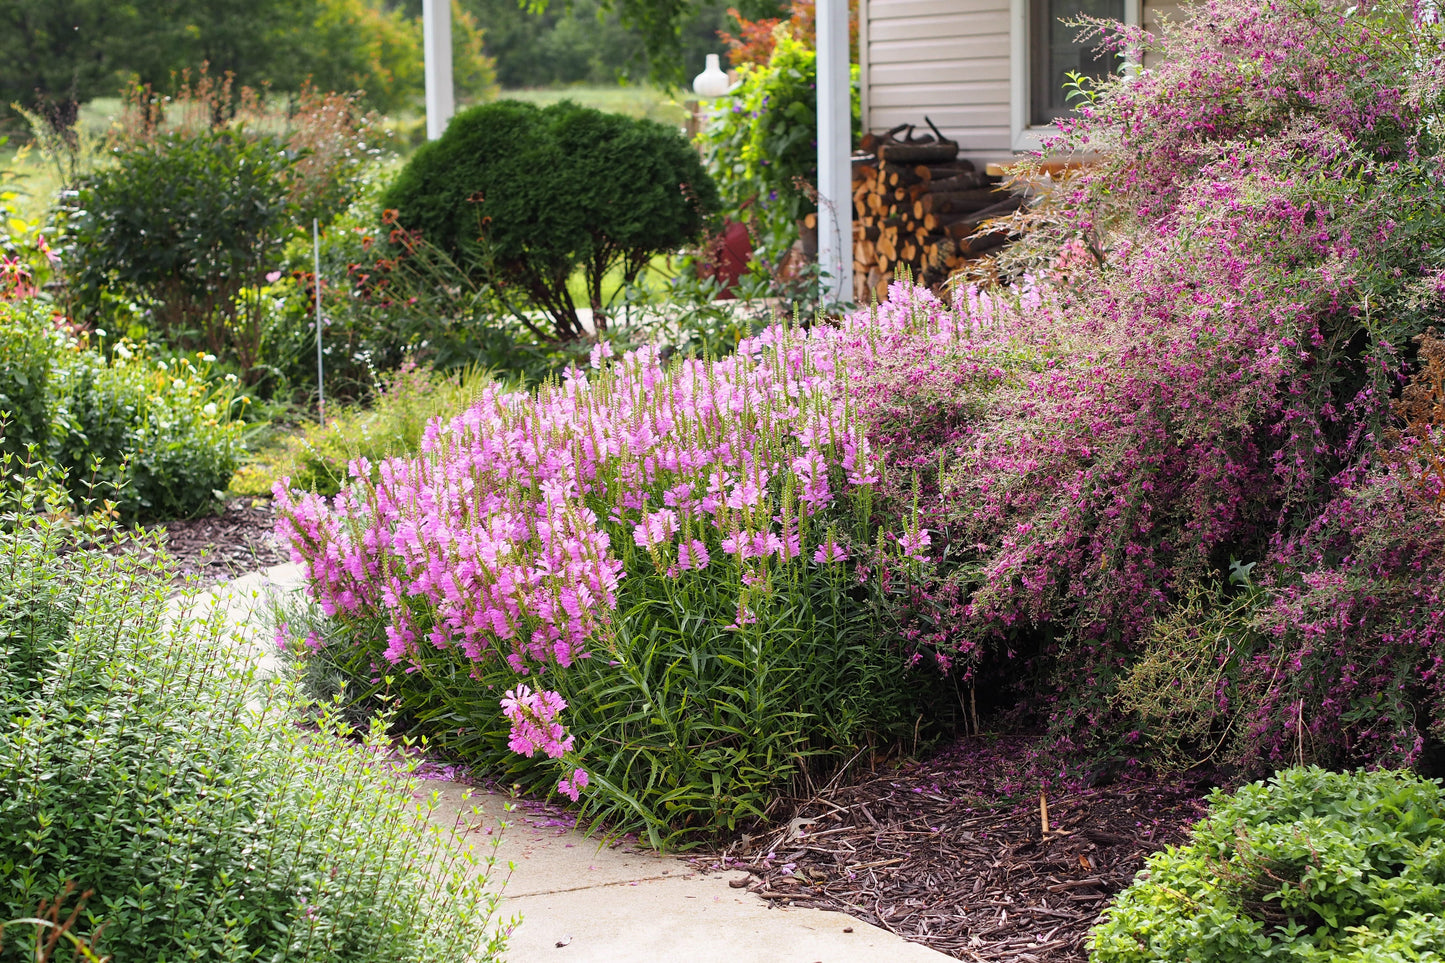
(917, 205)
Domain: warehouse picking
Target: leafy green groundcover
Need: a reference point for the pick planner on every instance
(139, 762)
(1310, 866)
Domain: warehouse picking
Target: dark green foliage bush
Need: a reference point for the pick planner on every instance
(520, 197)
(156, 438)
(1311, 866)
(142, 759)
(185, 224)
(26, 348)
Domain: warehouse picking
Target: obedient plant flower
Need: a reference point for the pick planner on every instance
(534, 726)
(572, 786)
(508, 537)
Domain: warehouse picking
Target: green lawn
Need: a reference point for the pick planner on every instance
(633, 101)
(653, 278)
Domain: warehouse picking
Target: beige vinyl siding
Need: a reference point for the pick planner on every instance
(1152, 13)
(948, 59)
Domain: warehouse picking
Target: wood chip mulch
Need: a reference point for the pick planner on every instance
(933, 853)
(222, 546)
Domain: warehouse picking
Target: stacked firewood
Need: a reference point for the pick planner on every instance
(916, 205)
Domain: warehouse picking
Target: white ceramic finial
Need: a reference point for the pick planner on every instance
(712, 82)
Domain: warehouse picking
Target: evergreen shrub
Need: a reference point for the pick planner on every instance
(1313, 866)
(520, 197)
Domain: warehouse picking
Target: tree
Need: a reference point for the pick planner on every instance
(54, 54)
(361, 45)
(537, 42)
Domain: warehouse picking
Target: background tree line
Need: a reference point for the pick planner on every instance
(57, 54)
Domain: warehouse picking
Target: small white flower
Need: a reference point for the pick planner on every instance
(208, 358)
(178, 384)
(123, 353)
(210, 409)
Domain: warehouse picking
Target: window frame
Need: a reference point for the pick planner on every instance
(1022, 136)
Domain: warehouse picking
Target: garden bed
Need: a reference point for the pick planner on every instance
(945, 853)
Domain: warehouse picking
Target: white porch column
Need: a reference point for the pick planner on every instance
(835, 200)
(437, 46)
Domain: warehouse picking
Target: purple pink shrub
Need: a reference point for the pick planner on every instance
(1215, 385)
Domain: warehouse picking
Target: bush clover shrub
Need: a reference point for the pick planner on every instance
(1234, 297)
(146, 765)
(487, 195)
(1312, 865)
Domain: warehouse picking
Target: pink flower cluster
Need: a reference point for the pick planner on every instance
(512, 534)
(503, 536)
(572, 786)
(534, 722)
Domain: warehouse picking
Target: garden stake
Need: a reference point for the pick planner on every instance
(316, 252)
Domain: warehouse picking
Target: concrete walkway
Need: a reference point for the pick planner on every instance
(585, 902)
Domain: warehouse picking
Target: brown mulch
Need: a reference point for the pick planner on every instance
(222, 546)
(942, 852)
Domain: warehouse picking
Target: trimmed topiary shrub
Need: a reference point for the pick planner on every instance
(160, 789)
(1311, 866)
(522, 197)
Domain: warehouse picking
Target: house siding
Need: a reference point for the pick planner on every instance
(948, 59)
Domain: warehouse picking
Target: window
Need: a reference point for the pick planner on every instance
(1045, 52)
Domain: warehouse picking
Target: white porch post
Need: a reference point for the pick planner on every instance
(437, 46)
(835, 200)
